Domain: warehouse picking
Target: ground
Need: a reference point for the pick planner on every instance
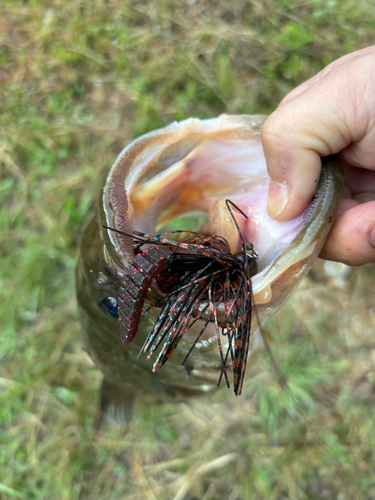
(79, 80)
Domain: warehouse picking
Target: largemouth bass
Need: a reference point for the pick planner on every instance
(170, 176)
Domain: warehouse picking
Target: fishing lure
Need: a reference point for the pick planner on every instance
(198, 278)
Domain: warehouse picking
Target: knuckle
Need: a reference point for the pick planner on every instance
(273, 131)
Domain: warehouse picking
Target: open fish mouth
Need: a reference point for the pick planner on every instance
(187, 171)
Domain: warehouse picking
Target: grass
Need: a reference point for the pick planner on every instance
(79, 80)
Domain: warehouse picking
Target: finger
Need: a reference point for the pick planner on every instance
(335, 64)
(294, 138)
(352, 236)
(358, 180)
(331, 114)
(325, 119)
(361, 153)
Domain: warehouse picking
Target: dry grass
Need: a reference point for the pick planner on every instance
(78, 81)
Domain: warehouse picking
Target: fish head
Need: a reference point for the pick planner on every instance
(169, 179)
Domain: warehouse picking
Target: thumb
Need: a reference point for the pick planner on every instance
(319, 118)
(294, 138)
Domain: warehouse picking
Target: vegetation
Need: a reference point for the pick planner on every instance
(79, 80)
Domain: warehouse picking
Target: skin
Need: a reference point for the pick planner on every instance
(318, 220)
(332, 113)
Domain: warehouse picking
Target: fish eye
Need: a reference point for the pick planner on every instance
(109, 305)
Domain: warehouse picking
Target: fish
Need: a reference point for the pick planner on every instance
(170, 178)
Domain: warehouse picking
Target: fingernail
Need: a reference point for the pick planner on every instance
(277, 198)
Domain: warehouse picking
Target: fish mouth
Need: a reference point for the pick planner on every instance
(186, 172)
(189, 169)
(195, 167)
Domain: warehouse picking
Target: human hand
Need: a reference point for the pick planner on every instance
(333, 112)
